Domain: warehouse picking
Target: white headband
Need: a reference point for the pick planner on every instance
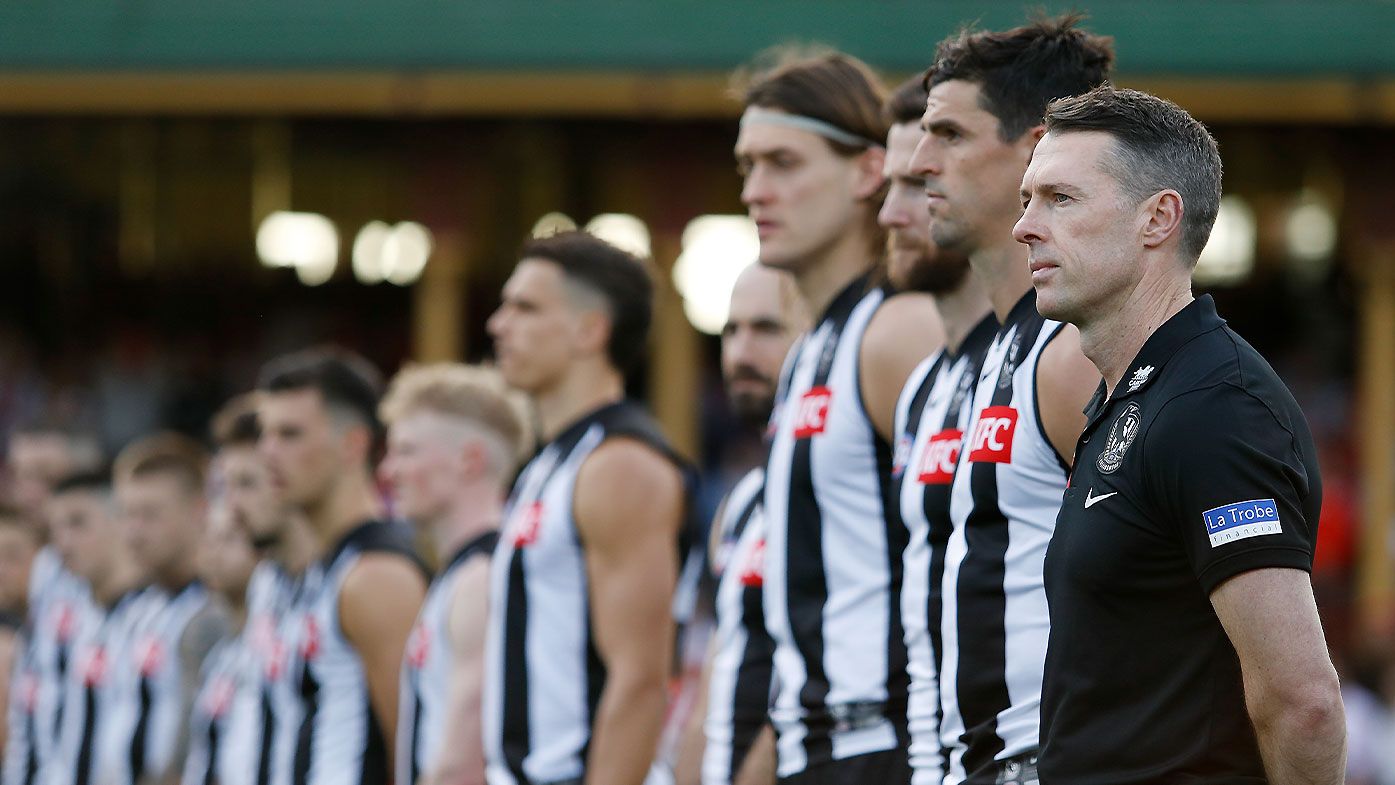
(761, 115)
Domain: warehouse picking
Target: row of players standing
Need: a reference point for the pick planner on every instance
(911, 589)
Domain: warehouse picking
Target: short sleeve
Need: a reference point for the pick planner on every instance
(1229, 476)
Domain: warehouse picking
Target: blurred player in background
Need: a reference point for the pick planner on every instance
(160, 482)
(811, 153)
(94, 744)
(225, 723)
(580, 629)
(40, 454)
(456, 434)
(319, 427)
(19, 541)
(731, 723)
(988, 93)
(931, 416)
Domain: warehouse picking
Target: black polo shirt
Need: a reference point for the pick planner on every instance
(1198, 468)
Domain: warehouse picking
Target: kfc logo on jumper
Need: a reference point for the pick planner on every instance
(219, 697)
(310, 644)
(992, 439)
(940, 457)
(94, 671)
(151, 655)
(527, 524)
(753, 571)
(812, 415)
(418, 647)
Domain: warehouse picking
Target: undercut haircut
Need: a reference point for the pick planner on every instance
(620, 279)
(1157, 146)
(821, 83)
(1020, 71)
(473, 394)
(346, 381)
(165, 454)
(907, 102)
(236, 424)
(12, 517)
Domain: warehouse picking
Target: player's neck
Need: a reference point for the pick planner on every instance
(961, 310)
(123, 577)
(351, 501)
(1115, 337)
(478, 509)
(584, 389)
(1003, 269)
(178, 578)
(297, 546)
(236, 605)
(822, 278)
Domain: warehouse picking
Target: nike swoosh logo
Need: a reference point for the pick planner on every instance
(1091, 500)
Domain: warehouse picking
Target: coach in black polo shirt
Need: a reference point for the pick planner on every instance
(1185, 644)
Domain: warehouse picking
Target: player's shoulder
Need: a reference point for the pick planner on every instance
(901, 321)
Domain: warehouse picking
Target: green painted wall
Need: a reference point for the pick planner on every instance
(1180, 37)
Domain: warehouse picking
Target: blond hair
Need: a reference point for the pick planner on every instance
(473, 394)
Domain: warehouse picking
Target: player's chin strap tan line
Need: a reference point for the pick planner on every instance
(756, 115)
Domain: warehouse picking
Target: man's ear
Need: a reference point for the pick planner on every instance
(871, 165)
(1162, 218)
(1027, 142)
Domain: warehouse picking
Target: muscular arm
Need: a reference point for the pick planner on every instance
(1291, 688)
(905, 330)
(1066, 379)
(628, 507)
(461, 759)
(377, 607)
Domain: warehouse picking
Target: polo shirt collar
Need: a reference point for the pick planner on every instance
(1197, 318)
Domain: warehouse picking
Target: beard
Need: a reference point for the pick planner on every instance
(942, 273)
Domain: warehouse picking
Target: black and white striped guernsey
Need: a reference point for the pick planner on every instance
(543, 675)
(932, 416)
(833, 553)
(225, 723)
(340, 739)
(1006, 494)
(427, 668)
(738, 697)
(273, 621)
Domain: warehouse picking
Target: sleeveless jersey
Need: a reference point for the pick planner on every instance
(340, 741)
(273, 616)
(931, 418)
(1006, 494)
(57, 602)
(739, 684)
(427, 668)
(226, 720)
(833, 553)
(94, 746)
(544, 676)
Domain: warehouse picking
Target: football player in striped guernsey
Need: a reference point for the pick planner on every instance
(811, 153)
(455, 437)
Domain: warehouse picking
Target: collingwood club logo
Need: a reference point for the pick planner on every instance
(1010, 364)
(1121, 435)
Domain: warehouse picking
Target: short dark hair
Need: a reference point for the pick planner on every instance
(618, 277)
(907, 102)
(1157, 145)
(1020, 71)
(823, 84)
(169, 454)
(236, 424)
(83, 445)
(345, 380)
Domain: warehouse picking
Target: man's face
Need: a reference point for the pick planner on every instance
(1083, 231)
(17, 547)
(37, 461)
(425, 465)
(226, 555)
(163, 521)
(248, 495)
(85, 533)
(303, 446)
(802, 196)
(761, 325)
(914, 263)
(971, 174)
(537, 326)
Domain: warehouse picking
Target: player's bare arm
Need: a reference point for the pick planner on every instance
(379, 603)
(461, 760)
(1291, 688)
(905, 330)
(1066, 380)
(628, 508)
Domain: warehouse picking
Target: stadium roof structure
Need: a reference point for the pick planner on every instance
(1332, 60)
